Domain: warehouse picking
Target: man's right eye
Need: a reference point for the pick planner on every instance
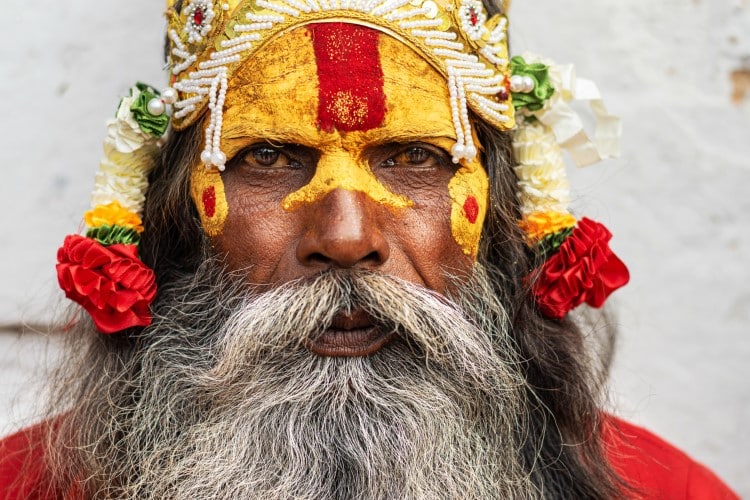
(265, 156)
(268, 157)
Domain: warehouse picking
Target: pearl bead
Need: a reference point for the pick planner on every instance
(457, 151)
(516, 83)
(169, 95)
(156, 106)
(219, 159)
(528, 83)
(430, 9)
(521, 84)
(206, 157)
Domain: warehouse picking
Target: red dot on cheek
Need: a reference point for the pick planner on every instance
(209, 201)
(471, 209)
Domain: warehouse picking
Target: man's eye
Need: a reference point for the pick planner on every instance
(415, 156)
(263, 155)
(268, 157)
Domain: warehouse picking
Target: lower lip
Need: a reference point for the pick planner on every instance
(356, 342)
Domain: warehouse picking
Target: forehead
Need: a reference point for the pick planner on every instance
(332, 80)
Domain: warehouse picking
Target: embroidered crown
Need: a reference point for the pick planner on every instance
(209, 39)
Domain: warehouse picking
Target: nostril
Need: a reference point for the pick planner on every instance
(318, 258)
(373, 257)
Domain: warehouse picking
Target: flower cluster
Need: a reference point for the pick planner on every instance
(579, 265)
(535, 77)
(543, 185)
(130, 149)
(541, 225)
(102, 271)
(542, 181)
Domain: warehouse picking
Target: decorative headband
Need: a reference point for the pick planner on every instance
(209, 40)
(102, 271)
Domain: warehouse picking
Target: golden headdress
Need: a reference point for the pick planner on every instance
(210, 39)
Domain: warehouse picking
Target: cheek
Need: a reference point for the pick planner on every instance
(469, 193)
(256, 235)
(425, 236)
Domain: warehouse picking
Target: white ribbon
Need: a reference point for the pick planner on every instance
(567, 125)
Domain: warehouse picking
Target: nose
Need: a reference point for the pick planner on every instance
(343, 231)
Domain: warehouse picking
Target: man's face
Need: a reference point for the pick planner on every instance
(339, 142)
(345, 219)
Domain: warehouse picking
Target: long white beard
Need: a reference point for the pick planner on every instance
(239, 408)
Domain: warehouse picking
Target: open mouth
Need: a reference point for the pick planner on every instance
(350, 334)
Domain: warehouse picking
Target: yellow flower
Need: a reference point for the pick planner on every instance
(113, 214)
(538, 225)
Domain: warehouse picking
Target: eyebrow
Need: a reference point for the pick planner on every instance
(277, 134)
(235, 139)
(380, 136)
(289, 135)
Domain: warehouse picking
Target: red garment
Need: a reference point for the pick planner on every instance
(22, 470)
(658, 469)
(655, 468)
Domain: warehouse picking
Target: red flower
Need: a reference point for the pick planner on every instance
(111, 283)
(583, 270)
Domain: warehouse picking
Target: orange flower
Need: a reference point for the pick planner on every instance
(537, 225)
(113, 214)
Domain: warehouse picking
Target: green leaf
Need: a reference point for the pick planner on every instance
(549, 245)
(154, 125)
(111, 235)
(543, 89)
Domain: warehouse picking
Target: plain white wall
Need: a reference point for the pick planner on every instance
(677, 201)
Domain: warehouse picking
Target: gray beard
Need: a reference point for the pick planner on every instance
(223, 400)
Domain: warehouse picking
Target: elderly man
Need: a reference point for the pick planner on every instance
(332, 280)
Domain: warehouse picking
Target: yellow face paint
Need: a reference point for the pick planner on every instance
(207, 190)
(338, 169)
(354, 86)
(469, 192)
(275, 97)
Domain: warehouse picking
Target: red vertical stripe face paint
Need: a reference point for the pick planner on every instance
(350, 77)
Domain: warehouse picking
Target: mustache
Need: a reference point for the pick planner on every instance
(278, 324)
(312, 304)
